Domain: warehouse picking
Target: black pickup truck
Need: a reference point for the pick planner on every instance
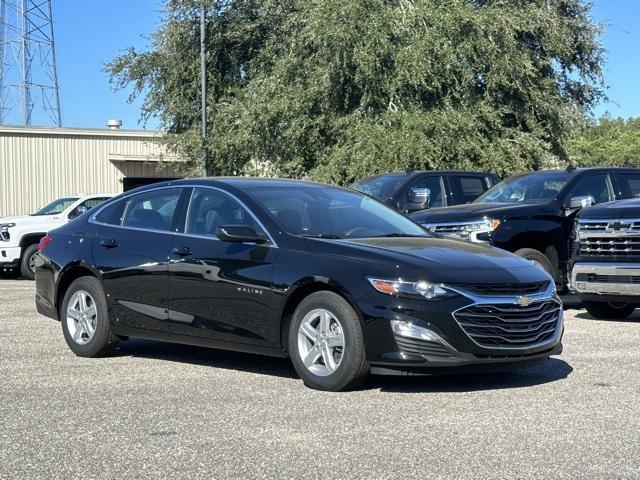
(605, 270)
(412, 191)
(533, 214)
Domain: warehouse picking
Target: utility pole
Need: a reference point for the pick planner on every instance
(203, 87)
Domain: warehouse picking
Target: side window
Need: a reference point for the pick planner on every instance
(629, 185)
(153, 210)
(597, 186)
(433, 183)
(210, 209)
(467, 188)
(86, 205)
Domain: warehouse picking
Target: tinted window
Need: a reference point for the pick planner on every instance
(152, 210)
(597, 186)
(93, 202)
(210, 209)
(434, 184)
(467, 188)
(534, 188)
(316, 210)
(629, 184)
(381, 187)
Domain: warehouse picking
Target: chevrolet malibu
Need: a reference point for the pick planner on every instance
(333, 279)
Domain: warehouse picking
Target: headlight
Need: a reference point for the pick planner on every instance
(472, 231)
(486, 225)
(6, 226)
(400, 288)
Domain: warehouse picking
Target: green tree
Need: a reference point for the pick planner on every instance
(337, 90)
(607, 142)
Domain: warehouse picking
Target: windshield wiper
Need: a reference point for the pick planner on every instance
(331, 236)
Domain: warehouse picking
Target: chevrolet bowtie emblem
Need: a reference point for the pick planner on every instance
(524, 301)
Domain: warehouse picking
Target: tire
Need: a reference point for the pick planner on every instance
(102, 341)
(537, 258)
(26, 262)
(608, 310)
(350, 367)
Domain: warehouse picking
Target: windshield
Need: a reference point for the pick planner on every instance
(533, 188)
(380, 187)
(319, 211)
(57, 206)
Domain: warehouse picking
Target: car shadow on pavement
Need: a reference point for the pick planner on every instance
(209, 357)
(550, 371)
(635, 318)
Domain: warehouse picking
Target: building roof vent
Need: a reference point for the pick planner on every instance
(114, 124)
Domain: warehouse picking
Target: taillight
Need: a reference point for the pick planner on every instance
(44, 241)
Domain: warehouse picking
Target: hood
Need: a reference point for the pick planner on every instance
(21, 220)
(613, 210)
(475, 211)
(434, 259)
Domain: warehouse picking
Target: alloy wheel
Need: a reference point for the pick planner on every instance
(321, 342)
(32, 262)
(82, 317)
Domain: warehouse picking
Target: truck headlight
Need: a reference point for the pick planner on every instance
(477, 231)
(401, 288)
(6, 226)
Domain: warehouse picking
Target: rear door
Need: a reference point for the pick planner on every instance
(219, 290)
(132, 252)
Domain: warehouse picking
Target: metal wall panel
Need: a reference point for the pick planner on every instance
(38, 165)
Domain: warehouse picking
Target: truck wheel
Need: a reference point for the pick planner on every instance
(326, 344)
(539, 259)
(609, 310)
(28, 262)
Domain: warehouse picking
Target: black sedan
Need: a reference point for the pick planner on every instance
(334, 279)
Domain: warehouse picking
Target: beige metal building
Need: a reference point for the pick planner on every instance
(38, 165)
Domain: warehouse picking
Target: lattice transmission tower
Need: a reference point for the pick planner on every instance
(29, 91)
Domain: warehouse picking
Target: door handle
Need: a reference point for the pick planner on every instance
(182, 251)
(109, 243)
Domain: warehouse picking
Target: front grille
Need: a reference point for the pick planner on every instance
(597, 278)
(510, 325)
(612, 246)
(421, 347)
(448, 229)
(609, 226)
(504, 289)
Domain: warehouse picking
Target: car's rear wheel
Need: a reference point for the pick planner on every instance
(85, 319)
(28, 262)
(610, 310)
(326, 343)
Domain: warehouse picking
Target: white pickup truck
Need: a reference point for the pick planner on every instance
(19, 236)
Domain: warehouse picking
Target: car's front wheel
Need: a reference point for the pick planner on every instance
(28, 262)
(610, 310)
(85, 319)
(326, 343)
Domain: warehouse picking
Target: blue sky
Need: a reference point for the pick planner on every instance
(90, 33)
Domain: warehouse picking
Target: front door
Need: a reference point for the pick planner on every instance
(221, 290)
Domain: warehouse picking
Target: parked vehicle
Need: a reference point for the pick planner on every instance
(413, 191)
(606, 266)
(332, 278)
(533, 215)
(19, 236)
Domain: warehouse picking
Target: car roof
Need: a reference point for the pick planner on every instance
(247, 182)
(412, 173)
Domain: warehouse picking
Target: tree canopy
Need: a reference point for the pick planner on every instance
(336, 90)
(609, 141)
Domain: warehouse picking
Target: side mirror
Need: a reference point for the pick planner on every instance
(238, 234)
(79, 210)
(419, 199)
(581, 202)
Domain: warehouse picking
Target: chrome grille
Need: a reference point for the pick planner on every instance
(609, 226)
(504, 289)
(614, 246)
(504, 325)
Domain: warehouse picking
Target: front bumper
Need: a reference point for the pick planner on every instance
(435, 339)
(9, 256)
(607, 278)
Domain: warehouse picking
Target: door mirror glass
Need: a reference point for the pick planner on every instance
(238, 234)
(583, 201)
(79, 210)
(419, 199)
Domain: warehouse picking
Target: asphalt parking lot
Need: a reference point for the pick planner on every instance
(158, 410)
